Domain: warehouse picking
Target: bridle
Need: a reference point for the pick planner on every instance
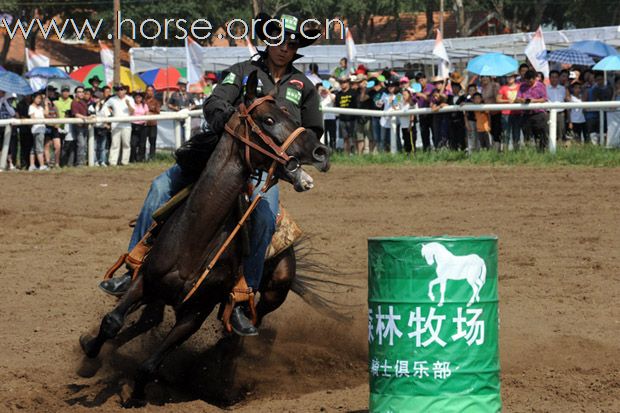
(277, 153)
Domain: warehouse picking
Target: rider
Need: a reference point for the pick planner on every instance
(294, 92)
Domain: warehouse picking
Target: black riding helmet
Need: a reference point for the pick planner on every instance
(292, 29)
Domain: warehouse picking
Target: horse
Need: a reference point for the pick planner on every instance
(192, 235)
(451, 267)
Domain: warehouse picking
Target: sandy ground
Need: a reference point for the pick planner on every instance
(559, 288)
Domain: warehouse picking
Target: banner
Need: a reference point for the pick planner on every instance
(351, 51)
(36, 60)
(107, 60)
(194, 54)
(440, 51)
(536, 52)
(251, 47)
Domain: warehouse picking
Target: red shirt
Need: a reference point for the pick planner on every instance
(79, 107)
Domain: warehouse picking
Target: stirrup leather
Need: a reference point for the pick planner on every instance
(240, 293)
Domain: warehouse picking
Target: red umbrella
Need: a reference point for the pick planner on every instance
(162, 79)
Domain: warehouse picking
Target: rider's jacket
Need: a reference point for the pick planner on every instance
(294, 91)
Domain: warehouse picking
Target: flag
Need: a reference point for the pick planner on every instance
(36, 60)
(194, 54)
(251, 47)
(536, 52)
(440, 51)
(351, 51)
(107, 60)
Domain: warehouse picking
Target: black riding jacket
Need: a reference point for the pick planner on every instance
(294, 91)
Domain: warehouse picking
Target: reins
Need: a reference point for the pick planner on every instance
(278, 155)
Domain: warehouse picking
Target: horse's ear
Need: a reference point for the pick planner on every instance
(250, 86)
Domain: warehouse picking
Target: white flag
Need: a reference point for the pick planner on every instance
(36, 60)
(440, 51)
(251, 47)
(107, 60)
(536, 52)
(351, 51)
(194, 54)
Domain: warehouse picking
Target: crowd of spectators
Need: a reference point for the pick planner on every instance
(42, 146)
(359, 88)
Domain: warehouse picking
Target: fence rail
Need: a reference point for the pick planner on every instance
(186, 115)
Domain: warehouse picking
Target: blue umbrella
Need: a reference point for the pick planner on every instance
(13, 83)
(570, 56)
(608, 64)
(46, 73)
(492, 64)
(2, 69)
(594, 48)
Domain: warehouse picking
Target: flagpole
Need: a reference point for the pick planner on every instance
(117, 44)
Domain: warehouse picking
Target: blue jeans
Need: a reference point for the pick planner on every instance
(511, 127)
(263, 218)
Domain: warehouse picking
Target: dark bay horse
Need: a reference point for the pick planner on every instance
(194, 232)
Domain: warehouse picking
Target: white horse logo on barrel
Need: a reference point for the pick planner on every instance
(452, 267)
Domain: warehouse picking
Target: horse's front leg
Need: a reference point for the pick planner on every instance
(442, 291)
(430, 288)
(276, 283)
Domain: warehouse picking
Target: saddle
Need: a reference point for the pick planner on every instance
(287, 232)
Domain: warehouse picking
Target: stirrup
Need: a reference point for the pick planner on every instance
(240, 293)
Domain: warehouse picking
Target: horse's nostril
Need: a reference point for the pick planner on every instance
(320, 152)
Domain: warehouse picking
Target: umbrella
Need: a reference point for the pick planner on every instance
(46, 73)
(59, 83)
(570, 56)
(13, 83)
(162, 79)
(492, 64)
(2, 69)
(594, 48)
(85, 73)
(608, 64)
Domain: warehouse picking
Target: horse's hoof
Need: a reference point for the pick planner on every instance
(87, 346)
(133, 403)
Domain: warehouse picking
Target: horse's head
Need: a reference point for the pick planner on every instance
(297, 147)
(428, 253)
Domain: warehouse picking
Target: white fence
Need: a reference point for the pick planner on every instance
(186, 115)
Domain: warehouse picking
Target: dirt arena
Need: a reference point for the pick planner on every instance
(559, 288)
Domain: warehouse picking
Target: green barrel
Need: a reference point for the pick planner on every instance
(433, 325)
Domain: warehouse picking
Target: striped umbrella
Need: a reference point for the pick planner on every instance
(162, 79)
(13, 83)
(46, 73)
(570, 56)
(85, 73)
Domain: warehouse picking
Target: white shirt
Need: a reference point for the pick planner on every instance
(556, 94)
(328, 102)
(576, 115)
(119, 108)
(37, 112)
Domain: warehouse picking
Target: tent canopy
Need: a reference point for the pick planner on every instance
(379, 55)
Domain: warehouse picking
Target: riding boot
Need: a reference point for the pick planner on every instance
(241, 324)
(117, 286)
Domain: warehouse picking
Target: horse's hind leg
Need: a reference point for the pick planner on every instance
(113, 321)
(276, 283)
(187, 324)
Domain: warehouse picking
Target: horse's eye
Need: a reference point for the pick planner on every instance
(269, 121)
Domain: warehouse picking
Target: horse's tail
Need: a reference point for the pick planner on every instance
(316, 282)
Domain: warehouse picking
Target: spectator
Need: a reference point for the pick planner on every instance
(558, 93)
(26, 139)
(94, 84)
(577, 124)
(52, 134)
(613, 119)
(38, 110)
(374, 102)
(565, 78)
(523, 68)
(457, 136)
(600, 92)
(511, 119)
(313, 74)
(439, 99)
(346, 98)
(180, 99)
(79, 109)
(483, 125)
(362, 129)
(329, 119)
(473, 144)
(210, 80)
(107, 92)
(534, 121)
(138, 129)
(490, 90)
(7, 112)
(120, 105)
(151, 125)
(390, 101)
(63, 105)
(343, 69)
(423, 101)
(407, 123)
(96, 108)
